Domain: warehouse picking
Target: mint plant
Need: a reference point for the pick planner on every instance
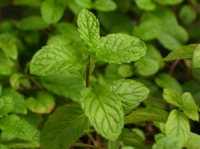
(99, 74)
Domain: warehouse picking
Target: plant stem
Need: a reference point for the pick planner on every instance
(86, 146)
(88, 72)
(172, 68)
(159, 100)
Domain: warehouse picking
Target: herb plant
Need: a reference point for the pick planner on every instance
(110, 74)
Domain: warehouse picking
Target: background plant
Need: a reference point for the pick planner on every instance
(99, 74)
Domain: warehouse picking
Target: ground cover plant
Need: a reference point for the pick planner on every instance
(99, 74)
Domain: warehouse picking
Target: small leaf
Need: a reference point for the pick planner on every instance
(196, 57)
(43, 103)
(12, 102)
(89, 29)
(164, 80)
(184, 52)
(52, 11)
(32, 23)
(187, 14)
(169, 143)
(15, 128)
(105, 5)
(145, 4)
(84, 3)
(104, 110)
(120, 48)
(54, 59)
(130, 92)
(178, 125)
(184, 102)
(64, 127)
(168, 2)
(146, 114)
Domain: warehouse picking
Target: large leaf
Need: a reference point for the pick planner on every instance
(64, 127)
(23, 134)
(146, 114)
(54, 59)
(178, 125)
(104, 110)
(120, 48)
(130, 92)
(89, 29)
(52, 11)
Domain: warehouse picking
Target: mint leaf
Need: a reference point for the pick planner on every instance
(52, 11)
(178, 125)
(164, 80)
(168, 142)
(88, 27)
(15, 128)
(12, 102)
(184, 102)
(66, 85)
(105, 5)
(43, 103)
(168, 2)
(84, 3)
(145, 4)
(130, 92)
(187, 14)
(193, 141)
(146, 114)
(32, 23)
(184, 52)
(104, 110)
(196, 59)
(64, 127)
(54, 59)
(120, 48)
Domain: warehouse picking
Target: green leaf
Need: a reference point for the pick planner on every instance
(32, 23)
(178, 125)
(125, 70)
(52, 11)
(84, 3)
(89, 29)
(146, 114)
(196, 57)
(184, 52)
(43, 103)
(164, 80)
(193, 141)
(145, 4)
(130, 92)
(114, 144)
(18, 79)
(12, 102)
(4, 147)
(184, 102)
(105, 5)
(169, 143)
(64, 84)
(6, 65)
(168, 2)
(30, 3)
(187, 14)
(64, 127)
(120, 48)
(189, 106)
(15, 128)
(104, 111)
(131, 138)
(54, 59)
